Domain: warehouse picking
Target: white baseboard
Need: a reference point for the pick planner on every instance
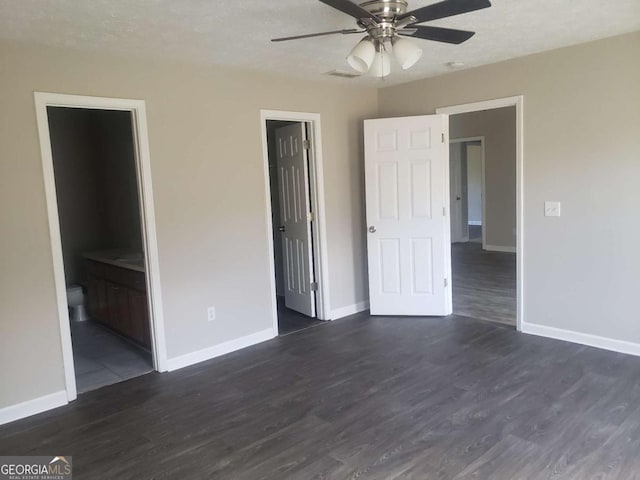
(605, 343)
(218, 350)
(31, 407)
(497, 248)
(349, 310)
(475, 222)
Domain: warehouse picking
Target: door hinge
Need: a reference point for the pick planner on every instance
(310, 217)
(444, 211)
(314, 286)
(306, 144)
(443, 138)
(446, 282)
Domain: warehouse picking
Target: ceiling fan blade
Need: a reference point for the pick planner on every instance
(309, 35)
(437, 34)
(447, 8)
(350, 8)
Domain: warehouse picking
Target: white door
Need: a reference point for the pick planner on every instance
(455, 192)
(408, 225)
(295, 215)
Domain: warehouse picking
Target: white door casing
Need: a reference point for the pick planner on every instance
(295, 217)
(143, 171)
(518, 102)
(408, 225)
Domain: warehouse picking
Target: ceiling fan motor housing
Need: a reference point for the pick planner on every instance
(385, 9)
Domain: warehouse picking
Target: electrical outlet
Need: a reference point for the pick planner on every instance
(211, 314)
(551, 209)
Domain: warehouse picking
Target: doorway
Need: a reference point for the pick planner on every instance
(295, 214)
(98, 189)
(103, 255)
(486, 209)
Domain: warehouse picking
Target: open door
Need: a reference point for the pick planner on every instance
(295, 216)
(408, 226)
(458, 193)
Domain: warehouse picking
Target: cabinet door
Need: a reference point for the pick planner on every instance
(139, 317)
(92, 298)
(122, 312)
(112, 317)
(98, 300)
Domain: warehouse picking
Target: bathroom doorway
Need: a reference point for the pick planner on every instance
(104, 251)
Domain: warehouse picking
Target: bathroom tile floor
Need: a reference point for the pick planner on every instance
(102, 357)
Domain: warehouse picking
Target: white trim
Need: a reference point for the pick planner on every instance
(220, 349)
(349, 310)
(518, 102)
(316, 171)
(143, 168)
(32, 407)
(447, 221)
(480, 139)
(498, 248)
(605, 343)
(474, 223)
(56, 247)
(479, 106)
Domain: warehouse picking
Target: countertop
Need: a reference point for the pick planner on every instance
(119, 258)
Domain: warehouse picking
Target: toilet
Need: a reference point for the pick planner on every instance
(75, 301)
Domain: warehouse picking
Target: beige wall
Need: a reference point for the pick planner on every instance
(209, 195)
(581, 147)
(498, 126)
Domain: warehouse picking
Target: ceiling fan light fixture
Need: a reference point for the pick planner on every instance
(362, 56)
(381, 66)
(406, 53)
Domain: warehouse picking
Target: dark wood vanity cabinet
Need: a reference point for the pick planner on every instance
(117, 298)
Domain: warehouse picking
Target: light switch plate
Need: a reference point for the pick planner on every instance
(551, 209)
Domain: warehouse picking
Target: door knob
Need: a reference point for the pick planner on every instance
(372, 229)
(458, 198)
(281, 228)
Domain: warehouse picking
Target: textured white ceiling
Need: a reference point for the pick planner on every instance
(238, 32)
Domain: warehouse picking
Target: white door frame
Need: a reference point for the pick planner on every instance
(147, 214)
(518, 102)
(316, 180)
(484, 214)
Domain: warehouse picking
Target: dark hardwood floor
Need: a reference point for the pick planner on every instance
(484, 283)
(290, 321)
(368, 398)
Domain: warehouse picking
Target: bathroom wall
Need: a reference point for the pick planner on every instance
(95, 184)
(113, 135)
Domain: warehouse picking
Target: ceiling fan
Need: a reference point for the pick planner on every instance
(385, 22)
